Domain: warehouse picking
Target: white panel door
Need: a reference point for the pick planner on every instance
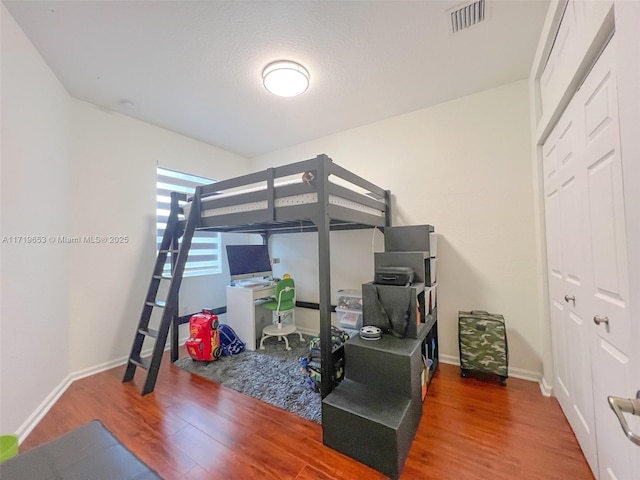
(561, 344)
(588, 276)
(607, 261)
(566, 221)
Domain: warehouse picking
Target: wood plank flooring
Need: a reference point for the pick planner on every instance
(190, 428)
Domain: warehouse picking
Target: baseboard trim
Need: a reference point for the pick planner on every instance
(308, 331)
(38, 414)
(30, 423)
(520, 373)
(545, 388)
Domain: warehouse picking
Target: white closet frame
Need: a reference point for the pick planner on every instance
(598, 21)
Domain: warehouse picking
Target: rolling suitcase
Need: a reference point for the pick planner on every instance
(482, 339)
(204, 337)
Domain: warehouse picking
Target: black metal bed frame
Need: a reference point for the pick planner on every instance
(320, 217)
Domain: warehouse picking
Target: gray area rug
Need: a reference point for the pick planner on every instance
(272, 375)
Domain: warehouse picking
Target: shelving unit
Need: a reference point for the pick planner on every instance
(416, 246)
(373, 415)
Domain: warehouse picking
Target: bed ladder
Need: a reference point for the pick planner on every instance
(169, 249)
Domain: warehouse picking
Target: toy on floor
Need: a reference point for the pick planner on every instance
(311, 364)
(204, 337)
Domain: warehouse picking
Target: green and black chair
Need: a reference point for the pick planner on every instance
(282, 306)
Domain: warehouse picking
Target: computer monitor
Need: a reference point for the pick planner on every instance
(248, 261)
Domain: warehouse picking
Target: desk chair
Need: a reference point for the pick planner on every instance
(282, 305)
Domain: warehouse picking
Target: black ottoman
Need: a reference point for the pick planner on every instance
(88, 452)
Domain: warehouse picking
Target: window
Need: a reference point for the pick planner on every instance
(204, 255)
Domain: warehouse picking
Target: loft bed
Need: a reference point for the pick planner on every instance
(314, 195)
(292, 198)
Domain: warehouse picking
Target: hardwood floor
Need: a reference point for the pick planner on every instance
(190, 428)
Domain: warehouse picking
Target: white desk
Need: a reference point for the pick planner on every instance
(245, 315)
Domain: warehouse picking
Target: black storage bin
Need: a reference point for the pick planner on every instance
(410, 238)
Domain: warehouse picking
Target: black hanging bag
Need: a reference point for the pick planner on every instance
(389, 309)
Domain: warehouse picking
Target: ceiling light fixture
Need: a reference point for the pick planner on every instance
(285, 78)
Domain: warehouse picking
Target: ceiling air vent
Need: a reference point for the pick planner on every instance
(467, 15)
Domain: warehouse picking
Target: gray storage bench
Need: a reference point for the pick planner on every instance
(88, 452)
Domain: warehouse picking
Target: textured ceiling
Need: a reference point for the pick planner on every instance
(195, 67)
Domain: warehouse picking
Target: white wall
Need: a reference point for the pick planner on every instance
(464, 167)
(35, 201)
(115, 160)
(68, 169)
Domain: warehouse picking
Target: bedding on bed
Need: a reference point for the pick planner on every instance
(300, 199)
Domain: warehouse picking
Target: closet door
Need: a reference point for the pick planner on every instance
(587, 264)
(569, 279)
(607, 261)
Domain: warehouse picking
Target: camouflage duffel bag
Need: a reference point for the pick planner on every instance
(482, 338)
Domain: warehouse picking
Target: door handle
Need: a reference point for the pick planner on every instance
(570, 298)
(628, 405)
(598, 320)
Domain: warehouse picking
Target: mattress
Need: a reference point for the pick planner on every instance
(209, 210)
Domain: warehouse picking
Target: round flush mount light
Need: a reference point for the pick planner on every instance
(285, 78)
